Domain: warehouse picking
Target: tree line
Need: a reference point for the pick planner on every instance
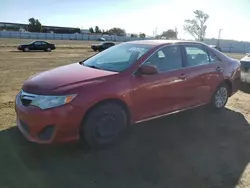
(114, 31)
(196, 27)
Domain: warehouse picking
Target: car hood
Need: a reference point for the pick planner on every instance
(24, 44)
(50, 81)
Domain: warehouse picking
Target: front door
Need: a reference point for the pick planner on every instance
(37, 45)
(166, 91)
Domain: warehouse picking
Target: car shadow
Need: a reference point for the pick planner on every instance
(90, 50)
(17, 51)
(196, 148)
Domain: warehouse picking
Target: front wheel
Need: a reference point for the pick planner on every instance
(220, 97)
(104, 124)
(48, 50)
(100, 49)
(26, 49)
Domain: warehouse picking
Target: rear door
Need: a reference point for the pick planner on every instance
(45, 45)
(204, 71)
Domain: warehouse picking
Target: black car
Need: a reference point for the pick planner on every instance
(37, 45)
(245, 68)
(102, 46)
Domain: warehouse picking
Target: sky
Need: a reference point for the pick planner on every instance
(135, 16)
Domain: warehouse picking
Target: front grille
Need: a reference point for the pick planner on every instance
(24, 126)
(46, 133)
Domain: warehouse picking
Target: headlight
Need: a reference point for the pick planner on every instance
(45, 102)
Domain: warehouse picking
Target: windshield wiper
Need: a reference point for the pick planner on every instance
(93, 66)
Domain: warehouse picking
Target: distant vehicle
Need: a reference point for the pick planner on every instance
(245, 68)
(22, 30)
(37, 45)
(216, 47)
(102, 46)
(98, 98)
(101, 39)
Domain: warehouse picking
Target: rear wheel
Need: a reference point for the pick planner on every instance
(104, 124)
(220, 97)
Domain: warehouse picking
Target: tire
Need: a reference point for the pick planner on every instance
(100, 49)
(104, 124)
(220, 97)
(48, 50)
(26, 49)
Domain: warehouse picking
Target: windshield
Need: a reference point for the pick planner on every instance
(118, 58)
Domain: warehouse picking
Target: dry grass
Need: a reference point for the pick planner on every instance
(191, 149)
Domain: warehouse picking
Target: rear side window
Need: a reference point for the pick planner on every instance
(213, 58)
(196, 56)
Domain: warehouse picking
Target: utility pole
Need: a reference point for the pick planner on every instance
(156, 31)
(219, 36)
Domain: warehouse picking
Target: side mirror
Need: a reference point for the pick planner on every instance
(147, 70)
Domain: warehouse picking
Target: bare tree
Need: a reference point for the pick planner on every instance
(196, 26)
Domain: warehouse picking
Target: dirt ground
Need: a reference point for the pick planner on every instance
(196, 148)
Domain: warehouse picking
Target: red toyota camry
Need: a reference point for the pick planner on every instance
(96, 99)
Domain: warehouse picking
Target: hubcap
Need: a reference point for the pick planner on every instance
(106, 128)
(221, 97)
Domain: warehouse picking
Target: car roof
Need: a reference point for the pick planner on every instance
(40, 41)
(162, 42)
(107, 42)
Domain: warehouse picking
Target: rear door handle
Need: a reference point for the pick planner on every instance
(183, 76)
(219, 69)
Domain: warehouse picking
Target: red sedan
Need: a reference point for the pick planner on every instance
(96, 99)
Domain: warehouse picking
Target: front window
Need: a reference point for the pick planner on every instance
(117, 58)
(37, 43)
(166, 59)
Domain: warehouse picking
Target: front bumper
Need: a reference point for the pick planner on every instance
(94, 48)
(245, 76)
(245, 71)
(55, 125)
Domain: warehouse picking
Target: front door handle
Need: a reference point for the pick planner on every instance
(219, 69)
(183, 76)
